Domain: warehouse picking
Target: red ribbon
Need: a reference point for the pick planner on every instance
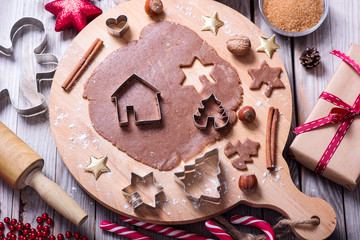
(344, 114)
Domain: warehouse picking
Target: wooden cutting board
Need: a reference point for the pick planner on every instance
(77, 140)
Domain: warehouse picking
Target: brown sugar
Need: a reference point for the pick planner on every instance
(293, 15)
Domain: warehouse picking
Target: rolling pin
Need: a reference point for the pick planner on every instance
(20, 166)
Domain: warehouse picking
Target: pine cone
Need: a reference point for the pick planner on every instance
(310, 58)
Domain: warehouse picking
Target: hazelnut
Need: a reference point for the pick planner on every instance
(238, 44)
(248, 183)
(247, 114)
(153, 7)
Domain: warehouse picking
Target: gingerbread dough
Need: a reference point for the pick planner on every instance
(157, 58)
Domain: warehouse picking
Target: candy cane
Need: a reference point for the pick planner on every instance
(217, 231)
(123, 231)
(168, 231)
(252, 221)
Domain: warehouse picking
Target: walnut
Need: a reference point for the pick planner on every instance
(238, 44)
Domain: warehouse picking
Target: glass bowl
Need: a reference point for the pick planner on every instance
(296, 34)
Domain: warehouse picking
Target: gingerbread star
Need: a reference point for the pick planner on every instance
(72, 13)
(97, 166)
(212, 23)
(268, 45)
(267, 75)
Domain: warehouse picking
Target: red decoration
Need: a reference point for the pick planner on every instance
(343, 114)
(72, 13)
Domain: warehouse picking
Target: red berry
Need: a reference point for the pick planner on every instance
(27, 225)
(1, 233)
(39, 220)
(84, 238)
(45, 216)
(13, 221)
(32, 236)
(12, 228)
(49, 221)
(13, 236)
(39, 227)
(26, 232)
(68, 234)
(38, 234)
(2, 225)
(77, 235)
(33, 230)
(6, 220)
(8, 235)
(52, 237)
(19, 227)
(60, 236)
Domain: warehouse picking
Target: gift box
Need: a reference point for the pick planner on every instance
(332, 150)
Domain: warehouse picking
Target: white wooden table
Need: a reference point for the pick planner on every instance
(337, 32)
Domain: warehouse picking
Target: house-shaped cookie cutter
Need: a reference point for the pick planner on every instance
(202, 109)
(180, 177)
(134, 196)
(131, 108)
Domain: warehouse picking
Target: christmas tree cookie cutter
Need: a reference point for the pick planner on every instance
(188, 182)
(131, 108)
(132, 194)
(202, 109)
(40, 57)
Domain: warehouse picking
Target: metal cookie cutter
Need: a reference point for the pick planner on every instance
(117, 32)
(40, 57)
(130, 108)
(212, 159)
(202, 109)
(131, 193)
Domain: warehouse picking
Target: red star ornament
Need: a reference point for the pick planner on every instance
(72, 13)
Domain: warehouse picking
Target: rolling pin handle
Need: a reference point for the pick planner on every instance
(56, 197)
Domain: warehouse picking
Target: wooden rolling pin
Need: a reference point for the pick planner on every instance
(20, 166)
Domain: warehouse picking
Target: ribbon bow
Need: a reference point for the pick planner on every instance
(344, 114)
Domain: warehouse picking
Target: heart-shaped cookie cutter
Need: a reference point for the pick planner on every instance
(113, 21)
(40, 57)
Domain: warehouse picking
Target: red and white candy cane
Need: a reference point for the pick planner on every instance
(252, 221)
(217, 231)
(122, 231)
(168, 231)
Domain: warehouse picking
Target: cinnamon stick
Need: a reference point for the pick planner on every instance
(268, 138)
(273, 137)
(80, 66)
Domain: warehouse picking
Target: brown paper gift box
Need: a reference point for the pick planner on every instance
(308, 147)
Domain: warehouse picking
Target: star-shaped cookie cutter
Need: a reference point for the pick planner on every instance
(134, 196)
(180, 177)
(202, 109)
(40, 57)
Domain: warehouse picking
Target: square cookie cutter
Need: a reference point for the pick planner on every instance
(181, 178)
(40, 57)
(134, 197)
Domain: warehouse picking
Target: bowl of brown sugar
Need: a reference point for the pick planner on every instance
(294, 18)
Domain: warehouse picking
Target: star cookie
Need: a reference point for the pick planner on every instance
(212, 23)
(97, 166)
(267, 75)
(268, 45)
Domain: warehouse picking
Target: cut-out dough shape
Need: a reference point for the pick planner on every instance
(243, 150)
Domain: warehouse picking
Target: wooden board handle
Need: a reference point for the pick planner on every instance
(56, 197)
